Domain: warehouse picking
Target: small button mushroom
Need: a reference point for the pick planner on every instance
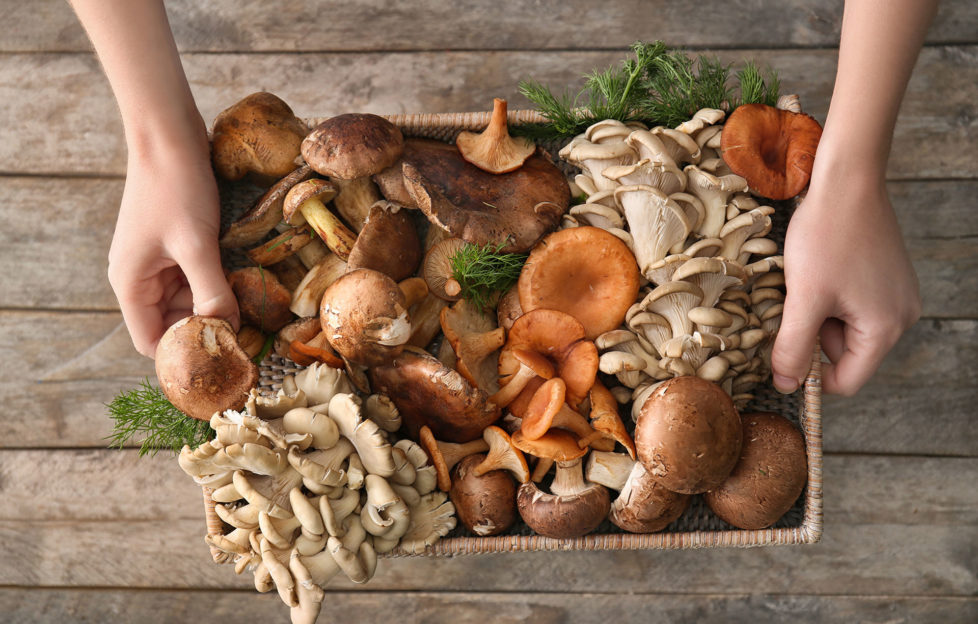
(688, 435)
(485, 504)
(201, 368)
(769, 476)
(494, 150)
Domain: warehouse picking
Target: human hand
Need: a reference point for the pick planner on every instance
(164, 262)
(849, 281)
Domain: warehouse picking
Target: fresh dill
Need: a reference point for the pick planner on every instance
(483, 272)
(146, 412)
(659, 86)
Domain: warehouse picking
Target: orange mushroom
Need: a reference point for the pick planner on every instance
(494, 150)
(773, 149)
(548, 409)
(586, 272)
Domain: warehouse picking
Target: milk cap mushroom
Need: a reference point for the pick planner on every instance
(352, 145)
(502, 455)
(773, 149)
(259, 135)
(438, 272)
(484, 503)
(444, 455)
(364, 316)
(548, 409)
(688, 435)
(201, 369)
(769, 476)
(585, 272)
(494, 150)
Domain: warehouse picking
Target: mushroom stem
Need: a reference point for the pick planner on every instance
(336, 235)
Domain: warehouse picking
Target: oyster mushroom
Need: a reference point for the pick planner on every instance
(713, 191)
(372, 446)
(656, 222)
(431, 519)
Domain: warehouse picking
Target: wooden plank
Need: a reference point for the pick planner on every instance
(105, 485)
(227, 26)
(54, 606)
(850, 559)
(920, 402)
(934, 137)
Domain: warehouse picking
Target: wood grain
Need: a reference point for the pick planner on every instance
(54, 606)
(934, 137)
(225, 25)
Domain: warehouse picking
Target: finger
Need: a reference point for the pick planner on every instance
(862, 356)
(176, 314)
(791, 357)
(833, 339)
(138, 302)
(212, 295)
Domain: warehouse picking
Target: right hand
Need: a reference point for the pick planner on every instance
(164, 261)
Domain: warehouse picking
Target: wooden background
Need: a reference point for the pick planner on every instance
(89, 534)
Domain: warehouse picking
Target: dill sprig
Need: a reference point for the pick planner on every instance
(659, 86)
(146, 410)
(484, 272)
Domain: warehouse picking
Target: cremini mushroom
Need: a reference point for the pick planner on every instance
(574, 507)
(494, 150)
(444, 455)
(644, 505)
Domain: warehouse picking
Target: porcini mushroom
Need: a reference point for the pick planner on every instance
(305, 203)
(201, 368)
(773, 149)
(387, 243)
(494, 150)
(352, 145)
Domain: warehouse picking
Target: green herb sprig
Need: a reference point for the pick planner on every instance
(660, 86)
(483, 272)
(146, 410)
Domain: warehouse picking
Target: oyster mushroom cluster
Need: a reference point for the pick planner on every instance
(310, 485)
(713, 287)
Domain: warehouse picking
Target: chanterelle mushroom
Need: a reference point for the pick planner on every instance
(494, 150)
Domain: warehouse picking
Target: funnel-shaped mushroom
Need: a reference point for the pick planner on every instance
(475, 340)
(773, 149)
(656, 222)
(502, 455)
(444, 455)
(548, 409)
(494, 150)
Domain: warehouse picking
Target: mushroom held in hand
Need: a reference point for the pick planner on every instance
(201, 368)
(263, 301)
(494, 150)
(773, 149)
(688, 435)
(769, 477)
(364, 316)
(485, 504)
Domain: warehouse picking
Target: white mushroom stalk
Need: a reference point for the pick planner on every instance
(312, 488)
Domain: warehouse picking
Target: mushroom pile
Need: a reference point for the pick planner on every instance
(312, 485)
(713, 286)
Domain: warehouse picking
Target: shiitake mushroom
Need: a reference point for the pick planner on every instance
(768, 478)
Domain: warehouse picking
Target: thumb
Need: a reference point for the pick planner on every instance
(211, 292)
(791, 357)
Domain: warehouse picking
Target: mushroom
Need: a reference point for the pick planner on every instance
(713, 191)
(305, 203)
(494, 150)
(260, 219)
(319, 383)
(531, 365)
(431, 519)
(688, 435)
(259, 135)
(769, 476)
(387, 243)
(712, 276)
(574, 507)
(354, 199)
(428, 393)
(484, 503)
(609, 469)
(512, 209)
(548, 409)
(645, 505)
(662, 176)
(475, 339)
(438, 271)
(585, 272)
(773, 149)
(595, 158)
(656, 222)
(201, 369)
(372, 446)
(604, 417)
(308, 294)
(444, 455)
(353, 145)
(502, 455)
(281, 247)
(262, 300)
(364, 315)
(508, 309)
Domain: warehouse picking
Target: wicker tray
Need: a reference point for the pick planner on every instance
(698, 527)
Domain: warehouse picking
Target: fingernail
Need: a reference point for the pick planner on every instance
(785, 385)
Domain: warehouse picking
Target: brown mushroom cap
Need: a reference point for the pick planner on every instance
(646, 506)
(585, 272)
(265, 214)
(259, 135)
(563, 517)
(201, 368)
(769, 477)
(364, 317)
(428, 393)
(263, 301)
(494, 150)
(512, 209)
(387, 243)
(352, 145)
(688, 435)
(773, 149)
(485, 504)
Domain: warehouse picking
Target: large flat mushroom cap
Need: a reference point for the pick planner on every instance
(585, 272)
(201, 368)
(352, 145)
(773, 149)
(387, 243)
(513, 209)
